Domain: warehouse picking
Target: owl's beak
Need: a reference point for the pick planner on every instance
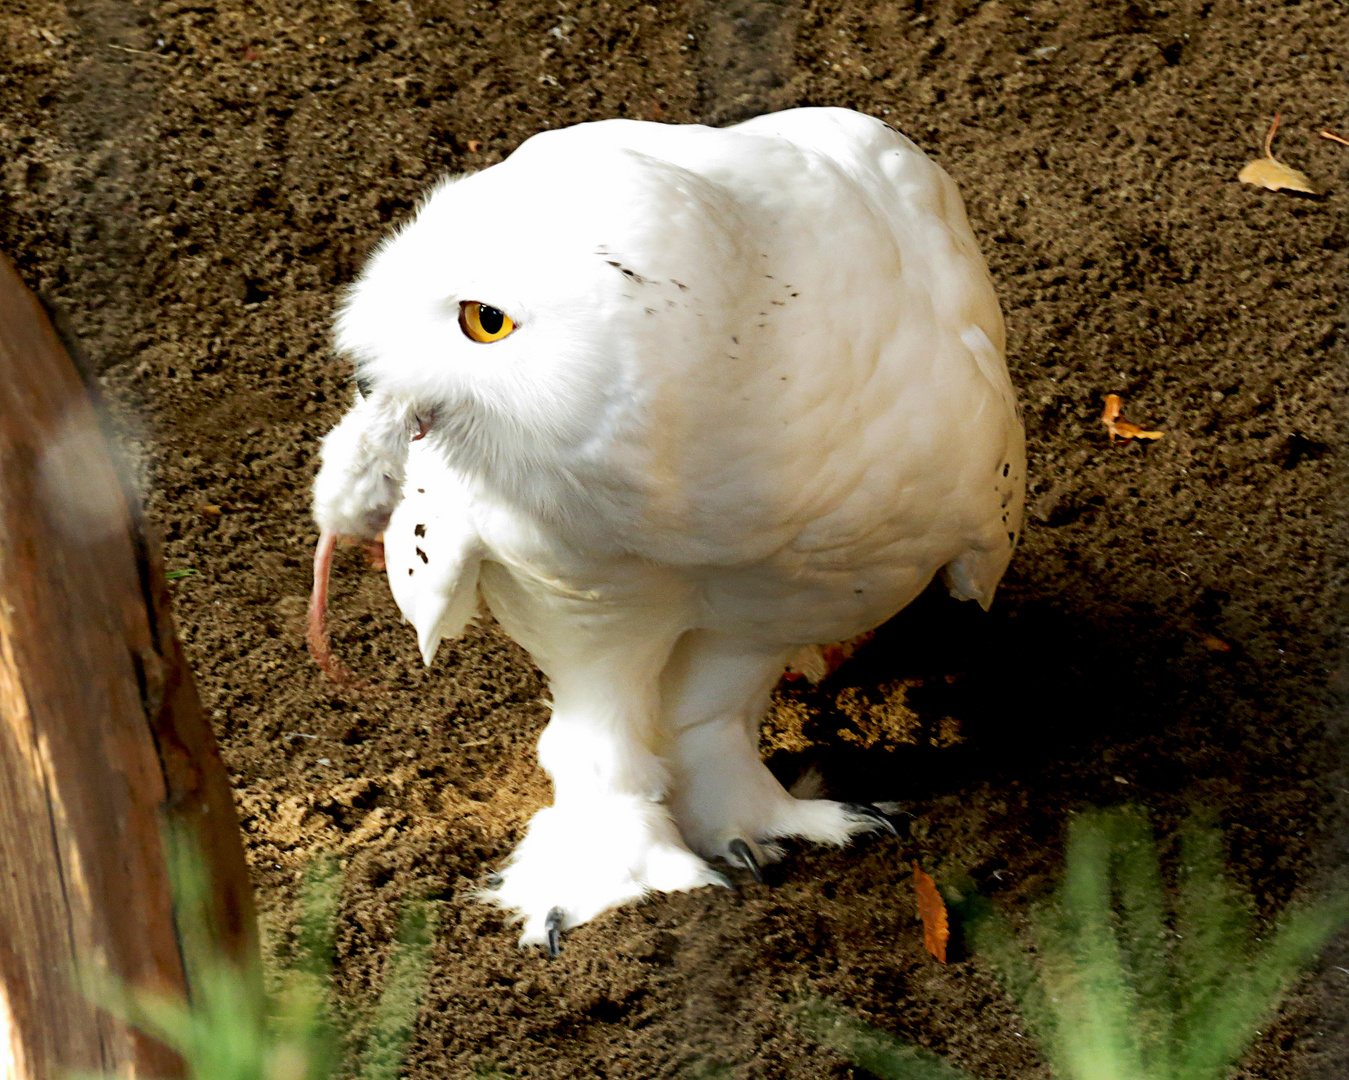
(425, 421)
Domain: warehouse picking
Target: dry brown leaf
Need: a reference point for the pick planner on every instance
(1122, 428)
(474, 145)
(1276, 176)
(815, 663)
(1113, 404)
(1126, 430)
(1269, 172)
(1214, 644)
(932, 910)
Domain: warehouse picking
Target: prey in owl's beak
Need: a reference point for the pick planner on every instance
(355, 491)
(423, 418)
(316, 634)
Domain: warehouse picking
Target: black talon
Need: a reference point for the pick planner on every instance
(552, 929)
(496, 881)
(741, 855)
(866, 810)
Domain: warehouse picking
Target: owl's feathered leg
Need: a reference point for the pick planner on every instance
(728, 805)
(608, 839)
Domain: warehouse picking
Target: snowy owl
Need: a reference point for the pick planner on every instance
(675, 402)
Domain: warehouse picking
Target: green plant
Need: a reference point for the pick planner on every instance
(1118, 987)
(233, 1030)
(869, 1047)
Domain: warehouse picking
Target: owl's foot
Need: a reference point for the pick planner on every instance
(741, 854)
(874, 813)
(552, 932)
(748, 839)
(729, 806)
(578, 860)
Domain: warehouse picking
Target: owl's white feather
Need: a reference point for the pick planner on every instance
(755, 399)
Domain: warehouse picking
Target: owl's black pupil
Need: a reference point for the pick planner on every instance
(491, 319)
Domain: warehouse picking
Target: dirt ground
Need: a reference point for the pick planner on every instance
(190, 183)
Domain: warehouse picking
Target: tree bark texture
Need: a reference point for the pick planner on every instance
(102, 737)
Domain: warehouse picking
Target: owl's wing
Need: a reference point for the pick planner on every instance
(846, 405)
(432, 551)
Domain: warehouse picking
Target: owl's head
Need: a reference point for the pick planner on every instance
(518, 314)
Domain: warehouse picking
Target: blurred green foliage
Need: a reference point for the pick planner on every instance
(231, 1029)
(1115, 983)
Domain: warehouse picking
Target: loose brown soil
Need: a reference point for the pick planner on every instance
(190, 183)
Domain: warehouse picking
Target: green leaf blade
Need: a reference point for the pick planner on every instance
(400, 1001)
(868, 1047)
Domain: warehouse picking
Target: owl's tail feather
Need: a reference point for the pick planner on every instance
(975, 574)
(320, 648)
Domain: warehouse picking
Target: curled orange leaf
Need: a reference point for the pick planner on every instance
(932, 910)
(1122, 428)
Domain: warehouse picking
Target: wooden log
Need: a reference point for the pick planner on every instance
(102, 737)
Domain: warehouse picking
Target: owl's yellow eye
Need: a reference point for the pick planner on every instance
(483, 323)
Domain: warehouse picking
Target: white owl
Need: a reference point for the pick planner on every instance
(675, 402)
